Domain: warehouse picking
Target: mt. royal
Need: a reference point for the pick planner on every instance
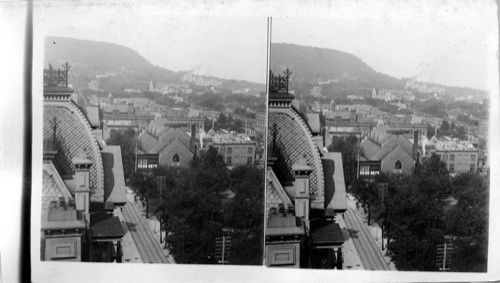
(118, 67)
(342, 71)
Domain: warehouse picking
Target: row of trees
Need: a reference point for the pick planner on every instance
(422, 210)
(428, 208)
(205, 201)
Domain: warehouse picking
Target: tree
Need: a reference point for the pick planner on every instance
(467, 222)
(414, 225)
(144, 187)
(366, 195)
(415, 215)
(244, 214)
(349, 148)
(127, 142)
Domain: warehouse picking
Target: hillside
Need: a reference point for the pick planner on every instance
(313, 65)
(115, 67)
(341, 73)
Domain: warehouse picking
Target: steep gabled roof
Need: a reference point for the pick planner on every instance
(147, 140)
(275, 194)
(53, 187)
(370, 147)
(375, 151)
(313, 121)
(168, 136)
(335, 191)
(114, 180)
(93, 115)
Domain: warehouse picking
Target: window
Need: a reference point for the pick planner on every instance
(175, 160)
(374, 170)
(229, 150)
(142, 163)
(398, 167)
(452, 157)
(452, 167)
(250, 150)
(229, 160)
(472, 157)
(364, 170)
(473, 167)
(249, 160)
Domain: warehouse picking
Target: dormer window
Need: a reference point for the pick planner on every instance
(398, 167)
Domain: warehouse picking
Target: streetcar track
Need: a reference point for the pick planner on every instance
(360, 244)
(148, 247)
(153, 245)
(371, 256)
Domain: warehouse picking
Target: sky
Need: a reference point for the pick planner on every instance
(452, 45)
(222, 46)
(450, 42)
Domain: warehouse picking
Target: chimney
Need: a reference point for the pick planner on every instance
(82, 178)
(301, 170)
(192, 143)
(415, 145)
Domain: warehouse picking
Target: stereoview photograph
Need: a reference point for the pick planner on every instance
(378, 142)
(153, 143)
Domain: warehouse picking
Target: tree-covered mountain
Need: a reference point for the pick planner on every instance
(340, 73)
(115, 67)
(313, 65)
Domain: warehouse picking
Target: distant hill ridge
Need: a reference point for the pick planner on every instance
(117, 66)
(312, 65)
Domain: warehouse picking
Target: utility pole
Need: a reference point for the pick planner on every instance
(222, 248)
(443, 257)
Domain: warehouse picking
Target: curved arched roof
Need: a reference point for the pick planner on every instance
(73, 134)
(295, 140)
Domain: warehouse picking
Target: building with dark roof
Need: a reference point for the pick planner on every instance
(305, 189)
(82, 181)
(391, 153)
(165, 146)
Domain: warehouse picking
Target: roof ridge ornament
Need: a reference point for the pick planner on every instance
(279, 83)
(53, 77)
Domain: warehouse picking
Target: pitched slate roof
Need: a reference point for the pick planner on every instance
(73, 134)
(335, 192)
(295, 140)
(275, 194)
(114, 180)
(313, 120)
(53, 186)
(377, 151)
(370, 147)
(147, 141)
(93, 115)
(168, 136)
(343, 114)
(389, 142)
